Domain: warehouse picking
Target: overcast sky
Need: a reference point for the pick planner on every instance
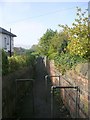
(30, 20)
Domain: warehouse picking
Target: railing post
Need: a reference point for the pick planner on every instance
(46, 79)
(52, 101)
(52, 98)
(59, 80)
(46, 85)
(77, 102)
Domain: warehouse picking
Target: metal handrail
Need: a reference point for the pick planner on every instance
(46, 78)
(52, 96)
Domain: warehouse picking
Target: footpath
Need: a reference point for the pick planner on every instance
(37, 104)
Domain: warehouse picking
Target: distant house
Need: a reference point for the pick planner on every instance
(7, 41)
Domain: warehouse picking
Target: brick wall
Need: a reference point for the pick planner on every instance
(69, 96)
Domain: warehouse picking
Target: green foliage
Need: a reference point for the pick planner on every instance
(19, 51)
(52, 55)
(45, 42)
(52, 43)
(33, 48)
(73, 46)
(58, 43)
(67, 61)
(31, 58)
(68, 47)
(11, 64)
(78, 35)
(16, 62)
(5, 63)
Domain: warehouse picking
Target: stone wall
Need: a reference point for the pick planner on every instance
(76, 102)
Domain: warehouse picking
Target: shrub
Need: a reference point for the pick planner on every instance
(67, 61)
(11, 64)
(5, 63)
(30, 59)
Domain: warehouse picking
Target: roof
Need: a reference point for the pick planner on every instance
(2, 30)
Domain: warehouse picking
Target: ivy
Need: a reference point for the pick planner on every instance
(66, 61)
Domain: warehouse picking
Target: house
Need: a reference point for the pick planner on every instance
(7, 41)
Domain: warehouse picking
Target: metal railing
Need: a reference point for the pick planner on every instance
(63, 87)
(46, 79)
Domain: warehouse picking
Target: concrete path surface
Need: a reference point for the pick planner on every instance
(41, 106)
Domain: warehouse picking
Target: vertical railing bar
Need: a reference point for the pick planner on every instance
(52, 102)
(46, 79)
(61, 87)
(77, 102)
(46, 86)
(59, 80)
(52, 96)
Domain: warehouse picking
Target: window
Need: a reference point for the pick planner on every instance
(8, 41)
(5, 43)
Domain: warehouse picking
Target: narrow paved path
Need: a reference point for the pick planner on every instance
(42, 101)
(42, 107)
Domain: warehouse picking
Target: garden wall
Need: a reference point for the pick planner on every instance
(9, 90)
(77, 77)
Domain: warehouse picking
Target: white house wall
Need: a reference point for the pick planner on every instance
(89, 10)
(0, 41)
(5, 42)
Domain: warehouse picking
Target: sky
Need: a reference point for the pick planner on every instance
(30, 20)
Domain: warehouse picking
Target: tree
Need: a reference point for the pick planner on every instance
(45, 42)
(78, 35)
(33, 48)
(58, 43)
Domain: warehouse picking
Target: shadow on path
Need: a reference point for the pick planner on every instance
(42, 106)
